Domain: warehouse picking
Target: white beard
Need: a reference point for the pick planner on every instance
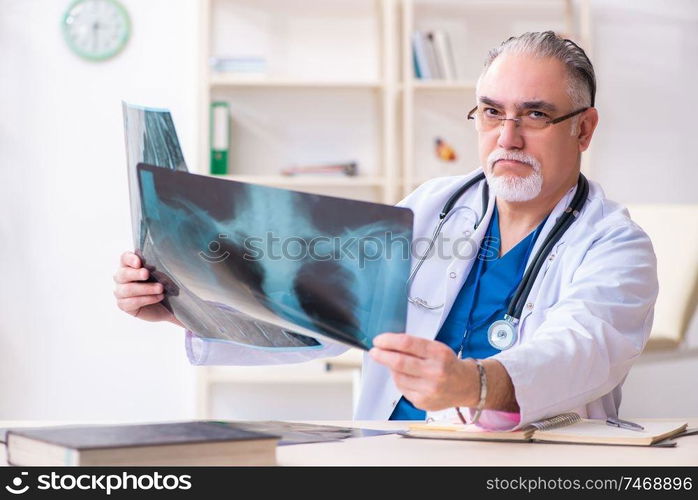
(514, 188)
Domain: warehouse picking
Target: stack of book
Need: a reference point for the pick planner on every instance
(433, 56)
(249, 65)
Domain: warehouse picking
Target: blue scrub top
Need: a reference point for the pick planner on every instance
(483, 299)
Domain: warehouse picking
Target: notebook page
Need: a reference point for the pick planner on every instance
(464, 431)
(597, 431)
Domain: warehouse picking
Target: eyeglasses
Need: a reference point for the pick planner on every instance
(488, 118)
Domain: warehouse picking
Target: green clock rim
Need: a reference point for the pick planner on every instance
(107, 55)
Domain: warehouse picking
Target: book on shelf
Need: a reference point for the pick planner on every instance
(154, 444)
(423, 67)
(433, 56)
(564, 428)
(444, 54)
(220, 137)
(348, 169)
(239, 65)
(415, 63)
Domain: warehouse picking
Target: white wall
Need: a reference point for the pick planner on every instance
(66, 351)
(644, 52)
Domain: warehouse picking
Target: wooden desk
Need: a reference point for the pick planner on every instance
(392, 449)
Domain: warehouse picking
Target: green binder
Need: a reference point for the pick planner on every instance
(220, 137)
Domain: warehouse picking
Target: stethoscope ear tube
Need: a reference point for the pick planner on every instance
(443, 217)
(485, 203)
(421, 260)
(456, 196)
(564, 222)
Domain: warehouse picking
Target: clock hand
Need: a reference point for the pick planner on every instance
(95, 35)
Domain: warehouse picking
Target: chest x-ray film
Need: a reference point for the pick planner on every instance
(272, 268)
(150, 138)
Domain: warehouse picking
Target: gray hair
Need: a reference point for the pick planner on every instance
(581, 82)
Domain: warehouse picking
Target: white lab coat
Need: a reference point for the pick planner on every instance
(586, 319)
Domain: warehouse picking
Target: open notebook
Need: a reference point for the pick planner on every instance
(564, 428)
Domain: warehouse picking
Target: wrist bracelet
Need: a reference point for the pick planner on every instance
(483, 394)
(483, 391)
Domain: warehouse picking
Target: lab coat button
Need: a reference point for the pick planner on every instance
(529, 305)
(452, 275)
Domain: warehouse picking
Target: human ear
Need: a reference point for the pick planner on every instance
(585, 128)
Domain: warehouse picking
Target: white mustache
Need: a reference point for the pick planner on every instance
(520, 156)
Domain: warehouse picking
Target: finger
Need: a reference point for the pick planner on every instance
(398, 361)
(415, 346)
(129, 274)
(416, 398)
(407, 383)
(130, 259)
(137, 290)
(405, 343)
(133, 304)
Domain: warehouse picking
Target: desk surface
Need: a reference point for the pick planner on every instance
(392, 449)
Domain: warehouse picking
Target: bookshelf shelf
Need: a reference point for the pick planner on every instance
(442, 85)
(291, 181)
(234, 80)
(449, 7)
(278, 375)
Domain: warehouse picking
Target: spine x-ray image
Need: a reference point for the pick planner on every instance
(263, 267)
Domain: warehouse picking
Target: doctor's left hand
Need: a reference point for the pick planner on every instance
(427, 372)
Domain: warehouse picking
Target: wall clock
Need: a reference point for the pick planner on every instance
(96, 29)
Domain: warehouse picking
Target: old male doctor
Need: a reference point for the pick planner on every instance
(583, 321)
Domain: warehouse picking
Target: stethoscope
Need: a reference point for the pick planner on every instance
(502, 333)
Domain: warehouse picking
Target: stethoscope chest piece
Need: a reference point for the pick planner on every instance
(502, 333)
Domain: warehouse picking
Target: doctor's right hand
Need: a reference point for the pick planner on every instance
(134, 296)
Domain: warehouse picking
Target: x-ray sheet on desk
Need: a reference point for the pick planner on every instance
(273, 268)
